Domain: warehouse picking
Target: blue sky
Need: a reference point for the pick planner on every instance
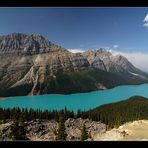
(80, 27)
(121, 29)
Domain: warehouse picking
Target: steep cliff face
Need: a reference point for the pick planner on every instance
(32, 65)
(23, 44)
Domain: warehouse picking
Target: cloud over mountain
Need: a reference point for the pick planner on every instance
(146, 21)
(138, 59)
(75, 50)
(115, 46)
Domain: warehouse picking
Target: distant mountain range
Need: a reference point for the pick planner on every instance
(32, 65)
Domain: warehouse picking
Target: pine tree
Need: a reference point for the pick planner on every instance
(61, 133)
(79, 113)
(18, 131)
(84, 133)
(56, 116)
(65, 113)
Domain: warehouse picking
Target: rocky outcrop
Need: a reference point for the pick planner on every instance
(74, 127)
(44, 130)
(41, 130)
(5, 130)
(32, 65)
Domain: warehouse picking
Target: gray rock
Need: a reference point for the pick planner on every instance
(45, 129)
(32, 65)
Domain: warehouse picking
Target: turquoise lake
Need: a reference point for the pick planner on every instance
(83, 101)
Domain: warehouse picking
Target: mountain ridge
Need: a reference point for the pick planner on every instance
(32, 65)
(23, 44)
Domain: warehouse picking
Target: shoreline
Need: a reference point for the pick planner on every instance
(2, 98)
(85, 92)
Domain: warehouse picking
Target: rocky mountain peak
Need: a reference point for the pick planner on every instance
(109, 61)
(23, 44)
(32, 65)
(102, 50)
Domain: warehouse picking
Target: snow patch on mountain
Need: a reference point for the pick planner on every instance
(138, 75)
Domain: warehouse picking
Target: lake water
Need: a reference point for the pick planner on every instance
(83, 101)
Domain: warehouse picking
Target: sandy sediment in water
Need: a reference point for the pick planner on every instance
(2, 98)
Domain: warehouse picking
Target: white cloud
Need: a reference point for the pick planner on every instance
(146, 21)
(145, 24)
(115, 46)
(138, 59)
(76, 50)
(146, 18)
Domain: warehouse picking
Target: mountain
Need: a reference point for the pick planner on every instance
(23, 44)
(112, 62)
(32, 65)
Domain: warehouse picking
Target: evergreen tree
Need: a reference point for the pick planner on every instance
(56, 116)
(18, 131)
(79, 113)
(72, 114)
(65, 114)
(61, 133)
(84, 133)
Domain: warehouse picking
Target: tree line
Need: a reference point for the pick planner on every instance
(19, 116)
(25, 114)
(113, 114)
(116, 114)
